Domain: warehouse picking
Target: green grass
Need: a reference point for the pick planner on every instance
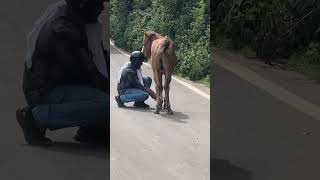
(248, 52)
(312, 71)
(205, 81)
(307, 61)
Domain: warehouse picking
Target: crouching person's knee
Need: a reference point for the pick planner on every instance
(145, 96)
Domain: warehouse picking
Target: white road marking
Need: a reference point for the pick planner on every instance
(187, 85)
(270, 87)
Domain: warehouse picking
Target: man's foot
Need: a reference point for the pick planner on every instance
(119, 102)
(91, 136)
(141, 104)
(31, 132)
(268, 63)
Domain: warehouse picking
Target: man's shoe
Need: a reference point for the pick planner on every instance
(32, 134)
(91, 136)
(119, 102)
(41, 141)
(141, 104)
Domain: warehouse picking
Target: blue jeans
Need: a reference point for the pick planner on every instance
(73, 106)
(136, 95)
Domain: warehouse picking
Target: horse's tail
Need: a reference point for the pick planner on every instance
(164, 46)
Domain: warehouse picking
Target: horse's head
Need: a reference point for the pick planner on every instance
(149, 36)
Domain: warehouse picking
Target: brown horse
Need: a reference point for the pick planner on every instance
(161, 50)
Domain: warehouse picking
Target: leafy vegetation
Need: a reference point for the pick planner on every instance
(184, 21)
(271, 29)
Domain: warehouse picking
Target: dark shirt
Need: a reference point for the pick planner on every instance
(129, 80)
(62, 57)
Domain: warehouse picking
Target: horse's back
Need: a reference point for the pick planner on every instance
(165, 60)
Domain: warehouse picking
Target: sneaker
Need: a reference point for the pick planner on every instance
(119, 102)
(91, 136)
(32, 134)
(141, 104)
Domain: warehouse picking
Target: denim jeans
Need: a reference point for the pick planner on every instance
(73, 106)
(136, 95)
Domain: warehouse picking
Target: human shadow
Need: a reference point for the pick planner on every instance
(224, 170)
(80, 149)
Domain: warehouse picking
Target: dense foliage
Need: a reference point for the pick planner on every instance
(273, 29)
(184, 21)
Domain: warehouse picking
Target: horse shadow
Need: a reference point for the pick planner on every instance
(176, 116)
(224, 170)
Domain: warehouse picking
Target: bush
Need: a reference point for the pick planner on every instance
(194, 61)
(307, 61)
(272, 28)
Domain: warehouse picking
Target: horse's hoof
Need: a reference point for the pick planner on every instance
(157, 111)
(170, 112)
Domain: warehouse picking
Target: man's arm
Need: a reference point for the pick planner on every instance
(132, 77)
(150, 92)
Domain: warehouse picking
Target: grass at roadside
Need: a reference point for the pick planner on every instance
(301, 64)
(306, 61)
(311, 71)
(206, 81)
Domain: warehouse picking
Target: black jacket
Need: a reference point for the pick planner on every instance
(62, 57)
(129, 79)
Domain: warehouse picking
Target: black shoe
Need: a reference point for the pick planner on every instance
(97, 136)
(141, 104)
(32, 134)
(119, 102)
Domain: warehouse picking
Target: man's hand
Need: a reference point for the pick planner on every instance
(151, 93)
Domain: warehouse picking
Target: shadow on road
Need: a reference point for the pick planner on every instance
(132, 108)
(224, 170)
(78, 149)
(176, 116)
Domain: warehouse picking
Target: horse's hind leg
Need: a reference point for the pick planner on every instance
(167, 105)
(159, 88)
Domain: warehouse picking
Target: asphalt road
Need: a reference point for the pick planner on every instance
(257, 136)
(67, 159)
(147, 146)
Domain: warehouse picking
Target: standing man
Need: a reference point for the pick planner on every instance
(66, 81)
(132, 86)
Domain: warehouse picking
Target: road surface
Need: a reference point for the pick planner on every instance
(257, 134)
(65, 161)
(147, 146)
